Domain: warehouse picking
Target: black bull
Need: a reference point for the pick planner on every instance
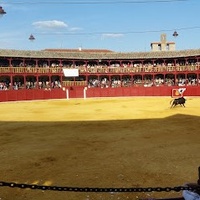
(177, 101)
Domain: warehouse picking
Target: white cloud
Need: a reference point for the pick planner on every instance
(75, 29)
(53, 24)
(112, 35)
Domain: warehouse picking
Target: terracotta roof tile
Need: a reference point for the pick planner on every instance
(80, 50)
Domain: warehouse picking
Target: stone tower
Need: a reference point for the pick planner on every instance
(163, 45)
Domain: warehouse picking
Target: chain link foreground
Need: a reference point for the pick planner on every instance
(91, 189)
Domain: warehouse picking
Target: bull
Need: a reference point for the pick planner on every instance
(179, 101)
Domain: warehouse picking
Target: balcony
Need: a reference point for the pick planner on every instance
(98, 70)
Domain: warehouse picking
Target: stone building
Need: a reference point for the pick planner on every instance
(163, 45)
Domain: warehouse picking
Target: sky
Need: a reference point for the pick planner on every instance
(116, 25)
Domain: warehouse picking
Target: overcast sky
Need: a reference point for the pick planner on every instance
(117, 25)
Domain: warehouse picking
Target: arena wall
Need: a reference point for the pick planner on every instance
(81, 92)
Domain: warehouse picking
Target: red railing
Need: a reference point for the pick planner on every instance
(82, 92)
(100, 70)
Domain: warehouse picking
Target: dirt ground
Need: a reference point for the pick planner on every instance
(113, 142)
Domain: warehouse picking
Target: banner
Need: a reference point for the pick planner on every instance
(71, 72)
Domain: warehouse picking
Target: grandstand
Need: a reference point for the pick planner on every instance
(102, 72)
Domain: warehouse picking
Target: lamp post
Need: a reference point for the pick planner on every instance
(31, 38)
(175, 34)
(2, 12)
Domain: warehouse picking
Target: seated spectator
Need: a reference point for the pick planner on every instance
(191, 195)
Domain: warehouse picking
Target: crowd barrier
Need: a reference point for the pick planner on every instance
(84, 92)
(36, 94)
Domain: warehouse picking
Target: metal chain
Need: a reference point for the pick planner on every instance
(88, 189)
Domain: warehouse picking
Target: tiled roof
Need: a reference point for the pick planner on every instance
(97, 55)
(79, 50)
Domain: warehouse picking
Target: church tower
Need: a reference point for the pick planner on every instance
(163, 45)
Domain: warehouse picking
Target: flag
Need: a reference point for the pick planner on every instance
(178, 92)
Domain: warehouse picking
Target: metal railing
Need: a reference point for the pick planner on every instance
(98, 70)
(74, 83)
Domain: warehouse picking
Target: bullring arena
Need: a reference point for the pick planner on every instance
(98, 142)
(98, 122)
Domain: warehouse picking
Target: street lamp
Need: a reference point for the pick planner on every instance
(175, 34)
(31, 38)
(2, 12)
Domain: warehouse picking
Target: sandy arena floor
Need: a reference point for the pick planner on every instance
(115, 142)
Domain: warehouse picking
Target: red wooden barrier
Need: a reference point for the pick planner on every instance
(78, 92)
